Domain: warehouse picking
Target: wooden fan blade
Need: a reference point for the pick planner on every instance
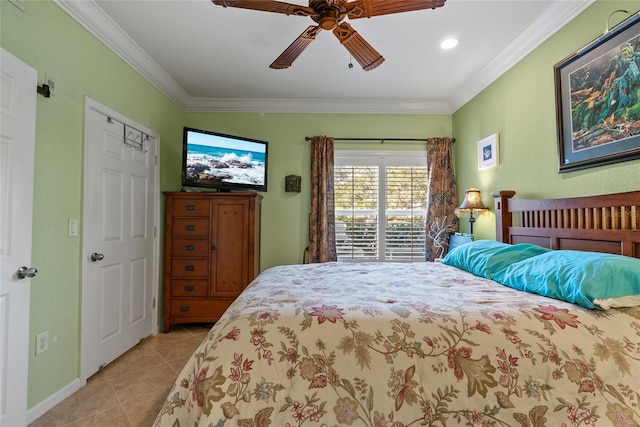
(267, 6)
(294, 50)
(368, 8)
(363, 52)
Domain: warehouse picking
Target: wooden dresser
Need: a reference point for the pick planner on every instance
(212, 252)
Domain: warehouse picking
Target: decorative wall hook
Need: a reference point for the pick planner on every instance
(44, 90)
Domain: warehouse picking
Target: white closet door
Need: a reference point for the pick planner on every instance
(119, 237)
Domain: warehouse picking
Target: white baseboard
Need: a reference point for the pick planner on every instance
(51, 401)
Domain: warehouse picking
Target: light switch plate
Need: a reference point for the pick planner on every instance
(73, 227)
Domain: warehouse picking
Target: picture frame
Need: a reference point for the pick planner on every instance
(598, 100)
(488, 152)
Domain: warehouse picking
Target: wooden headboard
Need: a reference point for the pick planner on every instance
(607, 223)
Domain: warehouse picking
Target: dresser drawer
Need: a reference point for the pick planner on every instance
(190, 227)
(184, 247)
(198, 310)
(185, 267)
(189, 288)
(190, 207)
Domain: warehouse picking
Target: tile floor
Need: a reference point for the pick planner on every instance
(129, 391)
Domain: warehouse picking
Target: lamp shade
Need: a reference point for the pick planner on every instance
(472, 201)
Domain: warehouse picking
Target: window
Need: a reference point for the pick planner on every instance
(380, 205)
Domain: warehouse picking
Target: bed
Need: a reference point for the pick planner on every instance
(385, 344)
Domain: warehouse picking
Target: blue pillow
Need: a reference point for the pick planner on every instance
(589, 279)
(484, 258)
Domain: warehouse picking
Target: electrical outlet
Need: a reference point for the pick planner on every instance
(42, 343)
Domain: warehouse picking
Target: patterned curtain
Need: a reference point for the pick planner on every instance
(442, 197)
(322, 231)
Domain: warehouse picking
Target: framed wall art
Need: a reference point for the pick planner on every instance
(598, 100)
(488, 152)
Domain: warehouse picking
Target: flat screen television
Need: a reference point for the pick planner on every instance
(223, 162)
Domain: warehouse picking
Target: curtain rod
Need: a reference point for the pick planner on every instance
(382, 140)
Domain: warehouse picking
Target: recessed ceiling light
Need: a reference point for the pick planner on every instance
(449, 43)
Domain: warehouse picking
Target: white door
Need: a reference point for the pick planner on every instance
(17, 147)
(119, 228)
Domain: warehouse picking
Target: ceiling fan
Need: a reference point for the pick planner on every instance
(329, 15)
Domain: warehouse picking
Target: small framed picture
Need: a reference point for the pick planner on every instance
(488, 152)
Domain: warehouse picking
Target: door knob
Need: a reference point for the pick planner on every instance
(97, 257)
(24, 272)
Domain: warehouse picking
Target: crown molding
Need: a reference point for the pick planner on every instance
(321, 105)
(546, 24)
(93, 18)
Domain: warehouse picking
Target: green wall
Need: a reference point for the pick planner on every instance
(520, 106)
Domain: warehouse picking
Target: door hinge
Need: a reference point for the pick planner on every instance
(156, 160)
(155, 231)
(154, 303)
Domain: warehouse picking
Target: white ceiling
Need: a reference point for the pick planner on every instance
(209, 58)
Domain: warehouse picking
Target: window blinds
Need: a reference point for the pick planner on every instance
(380, 207)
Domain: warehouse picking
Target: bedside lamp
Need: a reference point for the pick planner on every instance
(471, 203)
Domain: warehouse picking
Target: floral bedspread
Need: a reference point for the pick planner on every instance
(421, 344)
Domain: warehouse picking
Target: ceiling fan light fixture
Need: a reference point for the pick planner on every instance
(330, 15)
(449, 43)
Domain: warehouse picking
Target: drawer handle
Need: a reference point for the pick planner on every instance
(189, 248)
(189, 268)
(184, 308)
(189, 288)
(190, 227)
(191, 207)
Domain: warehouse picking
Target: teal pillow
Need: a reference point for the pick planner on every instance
(484, 258)
(589, 279)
